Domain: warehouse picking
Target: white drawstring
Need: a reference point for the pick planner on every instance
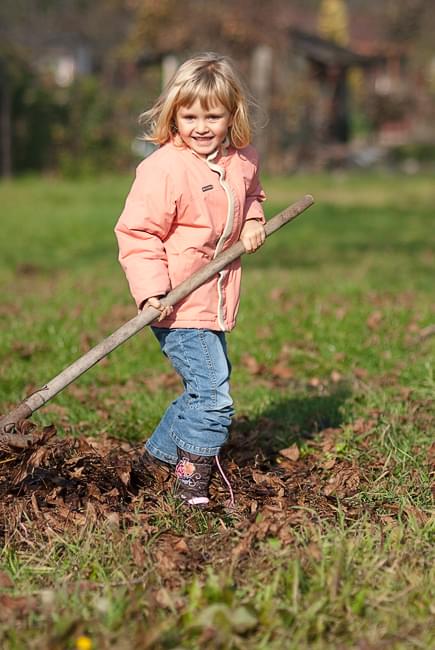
(226, 481)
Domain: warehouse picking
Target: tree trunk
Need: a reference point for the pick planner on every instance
(261, 85)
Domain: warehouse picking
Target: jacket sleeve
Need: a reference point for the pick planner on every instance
(255, 194)
(141, 230)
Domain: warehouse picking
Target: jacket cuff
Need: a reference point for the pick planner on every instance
(255, 213)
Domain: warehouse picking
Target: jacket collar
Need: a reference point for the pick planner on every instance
(219, 153)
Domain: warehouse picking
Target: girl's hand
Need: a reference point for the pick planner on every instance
(253, 235)
(165, 310)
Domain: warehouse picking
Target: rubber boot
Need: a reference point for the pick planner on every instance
(193, 474)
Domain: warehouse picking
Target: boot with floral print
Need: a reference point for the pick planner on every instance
(193, 474)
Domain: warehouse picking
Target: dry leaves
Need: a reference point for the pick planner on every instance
(292, 453)
(5, 580)
(374, 320)
(74, 482)
(344, 482)
(15, 606)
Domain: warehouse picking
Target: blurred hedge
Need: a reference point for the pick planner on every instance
(87, 127)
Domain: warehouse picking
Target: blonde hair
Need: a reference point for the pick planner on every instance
(207, 77)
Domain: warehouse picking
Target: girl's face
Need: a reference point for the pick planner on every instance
(203, 130)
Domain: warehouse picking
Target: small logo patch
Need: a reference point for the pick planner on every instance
(206, 188)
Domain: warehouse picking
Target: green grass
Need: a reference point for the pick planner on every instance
(341, 298)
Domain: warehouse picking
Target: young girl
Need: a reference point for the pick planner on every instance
(196, 195)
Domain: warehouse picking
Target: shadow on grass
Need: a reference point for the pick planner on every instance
(285, 422)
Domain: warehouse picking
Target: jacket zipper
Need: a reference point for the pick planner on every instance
(225, 234)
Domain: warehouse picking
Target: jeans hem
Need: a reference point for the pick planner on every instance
(193, 449)
(161, 455)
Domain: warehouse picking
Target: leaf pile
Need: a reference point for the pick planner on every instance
(57, 483)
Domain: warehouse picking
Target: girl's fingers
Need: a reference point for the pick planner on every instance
(166, 311)
(259, 241)
(154, 302)
(253, 242)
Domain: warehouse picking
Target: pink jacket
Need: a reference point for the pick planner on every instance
(181, 211)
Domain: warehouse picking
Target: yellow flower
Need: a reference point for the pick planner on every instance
(83, 643)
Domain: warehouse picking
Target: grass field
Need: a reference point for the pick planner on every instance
(333, 360)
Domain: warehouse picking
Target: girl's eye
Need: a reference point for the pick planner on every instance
(214, 117)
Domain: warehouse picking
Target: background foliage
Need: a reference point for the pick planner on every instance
(90, 124)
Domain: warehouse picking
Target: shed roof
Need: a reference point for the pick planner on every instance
(327, 52)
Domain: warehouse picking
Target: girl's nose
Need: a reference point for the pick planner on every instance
(201, 127)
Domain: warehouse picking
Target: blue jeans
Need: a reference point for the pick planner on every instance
(198, 420)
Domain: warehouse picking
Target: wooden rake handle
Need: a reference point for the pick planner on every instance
(130, 328)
